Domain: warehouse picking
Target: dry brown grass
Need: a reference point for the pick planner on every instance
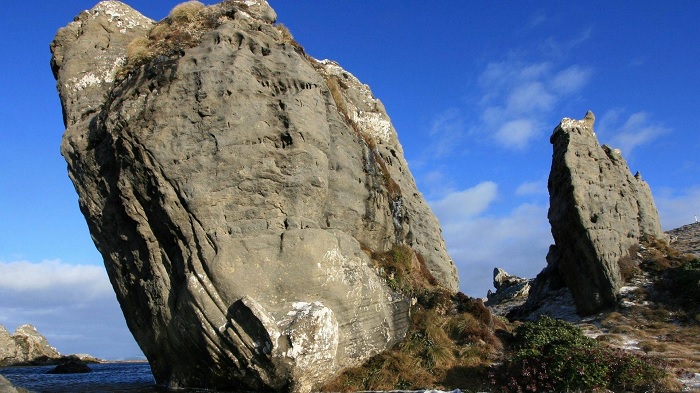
(287, 36)
(183, 28)
(185, 12)
(435, 354)
(138, 50)
(629, 265)
(451, 335)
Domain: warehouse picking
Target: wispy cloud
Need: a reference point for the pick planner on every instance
(478, 242)
(463, 205)
(537, 19)
(446, 132)
(628, 132)
(678, 208)
(537, 187)
(74, 306)
(517, 96)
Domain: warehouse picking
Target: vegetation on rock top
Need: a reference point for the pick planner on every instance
(184, 28)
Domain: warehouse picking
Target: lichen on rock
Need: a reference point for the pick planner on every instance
(237, 189)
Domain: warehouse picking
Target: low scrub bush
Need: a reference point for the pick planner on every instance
(684, 281)
(676, 277)
(552, 355)
(628, 264)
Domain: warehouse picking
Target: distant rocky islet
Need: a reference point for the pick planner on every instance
(25, 346)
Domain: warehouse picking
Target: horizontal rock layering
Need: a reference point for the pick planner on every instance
(236, 188)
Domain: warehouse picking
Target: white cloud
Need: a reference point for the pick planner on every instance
(517, 96)
(528, 97)
(678, 208)
(571, 79)
(637, 129)
(26, 276)
(517, 241)
(516, 133)
(446, 132)
(74, 306)
(538, 187)
(465, 204)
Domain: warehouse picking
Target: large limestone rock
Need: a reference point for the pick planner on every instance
(235, 189)
(25, 345)
(598, 210)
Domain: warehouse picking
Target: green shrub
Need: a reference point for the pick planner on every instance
(684, 281)
(546, 332)
(552, 355)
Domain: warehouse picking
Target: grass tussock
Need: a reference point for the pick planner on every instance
(451, 342)
(405, 271)
(186, 12)
(287, 36)
(628, 264)
(183, 28)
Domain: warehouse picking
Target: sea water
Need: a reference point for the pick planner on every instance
(104, 378)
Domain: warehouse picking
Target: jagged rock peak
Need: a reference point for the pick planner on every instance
(238, 191)
(25, 345)
(511, 292)
(598, 210)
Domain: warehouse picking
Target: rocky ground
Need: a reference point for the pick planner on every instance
(686, 239)
(646, 321)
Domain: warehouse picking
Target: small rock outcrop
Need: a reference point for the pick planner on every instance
(511, 292)
(25, 346)
(598, 210)
(70, 365)
(686, 239)
(237, 188)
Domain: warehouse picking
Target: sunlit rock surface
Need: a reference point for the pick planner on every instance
(235, 189)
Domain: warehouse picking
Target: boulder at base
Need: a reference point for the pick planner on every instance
(70, 365)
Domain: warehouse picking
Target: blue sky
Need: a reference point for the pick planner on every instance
(474, 90)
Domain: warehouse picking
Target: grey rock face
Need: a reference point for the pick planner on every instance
(686, 239)
(25, 345)
(598, 210)
(234, 191)
(511, 292)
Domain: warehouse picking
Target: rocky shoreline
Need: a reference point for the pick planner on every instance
(27, 347)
